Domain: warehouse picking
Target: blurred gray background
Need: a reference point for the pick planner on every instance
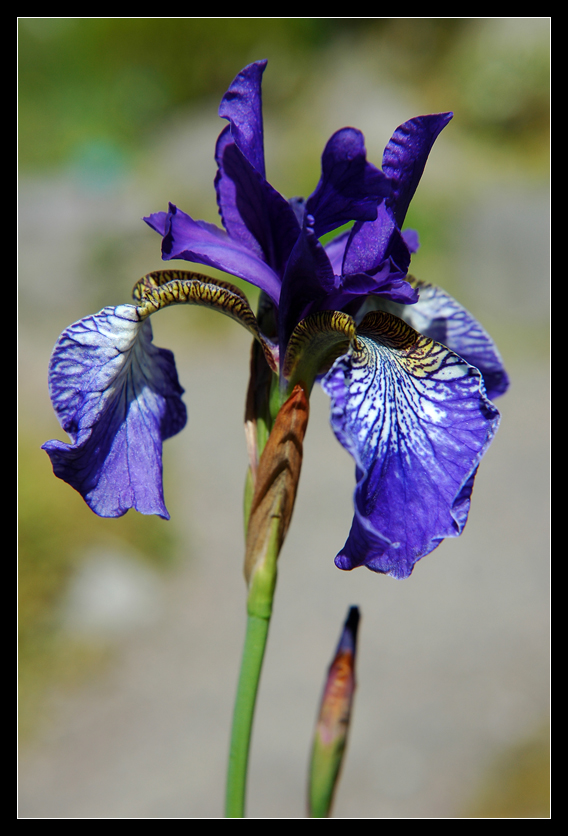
(131, 630)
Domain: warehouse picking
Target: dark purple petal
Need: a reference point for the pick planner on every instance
(349, 188)
(388, 283)
(242, 106)
(371, 244)
(411, 240)
(395, 288)
(227, 188)
(405, 156)
(307, 282)
(415, 418)
(118, 397)
(438, 316)
(335, 251)
(205, 243)
(253, 213)
(159, 221)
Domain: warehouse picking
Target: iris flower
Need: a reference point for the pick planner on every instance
(410, 373)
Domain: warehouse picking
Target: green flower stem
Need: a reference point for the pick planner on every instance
(253, 655)
(259, 610)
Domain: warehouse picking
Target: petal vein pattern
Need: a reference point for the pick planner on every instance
(415, 418)
(442, 318)
(118, 397)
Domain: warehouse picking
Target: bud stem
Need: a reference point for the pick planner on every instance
(251, 666)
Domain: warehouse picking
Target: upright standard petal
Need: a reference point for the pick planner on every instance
(118, 397)
(242, 106)
(253, 213)
(405, 156)
(350, 188)
(415, 418)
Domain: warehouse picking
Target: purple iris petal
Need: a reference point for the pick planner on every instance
(205, 243)
(118, 397)
(440, 317)
(405, 156)
(388, 283)
(335, 250)
(371, 243)
(417, 422)
(413, 414)
(253, 213)
(159, 221)
(349, 188)
(307, 282)
(228, 193)
(411, 240)
(242, 106)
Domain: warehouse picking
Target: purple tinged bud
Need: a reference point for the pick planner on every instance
(333, 721)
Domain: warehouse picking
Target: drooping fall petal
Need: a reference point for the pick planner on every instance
(438, 316)
(416, 419)
(118, 397)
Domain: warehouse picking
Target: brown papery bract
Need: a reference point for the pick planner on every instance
(277, 480)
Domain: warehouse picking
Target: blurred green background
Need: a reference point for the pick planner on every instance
(118, 115)
(115, 80)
